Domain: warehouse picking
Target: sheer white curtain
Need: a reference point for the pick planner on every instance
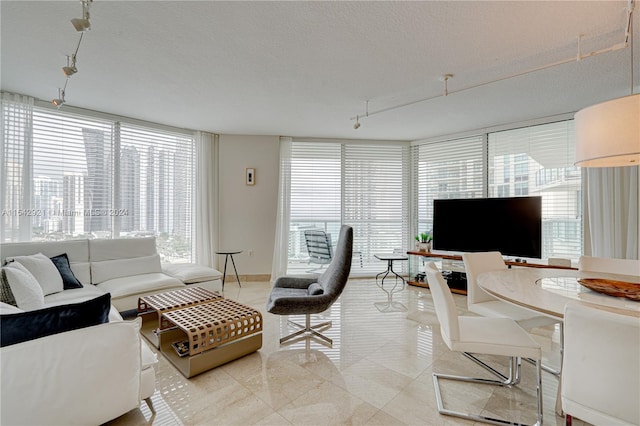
(16, 166)
(612, 212)
(281, 246)
(206, 198)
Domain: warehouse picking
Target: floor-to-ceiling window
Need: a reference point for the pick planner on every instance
(69, 175)
(535, 160)
(538, 160)
(358, 184)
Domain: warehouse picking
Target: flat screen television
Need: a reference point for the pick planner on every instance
(512, 225)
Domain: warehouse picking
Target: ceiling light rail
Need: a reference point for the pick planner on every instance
(81, 25)
(446, 77)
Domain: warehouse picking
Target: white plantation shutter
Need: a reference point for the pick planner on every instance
(538, 160)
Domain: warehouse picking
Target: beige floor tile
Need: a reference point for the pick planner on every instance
(378, 371)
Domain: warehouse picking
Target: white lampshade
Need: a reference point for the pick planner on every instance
(608, 134)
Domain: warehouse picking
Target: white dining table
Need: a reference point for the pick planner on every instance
(547, 291)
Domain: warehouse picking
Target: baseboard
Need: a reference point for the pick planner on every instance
(257, 277)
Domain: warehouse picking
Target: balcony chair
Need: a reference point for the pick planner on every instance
(482, 303)
(614, 266)
(320, 249)
(601, 373)
(318, 246)
(481, 335)
(306, 296)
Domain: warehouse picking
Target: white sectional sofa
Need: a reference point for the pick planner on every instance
(126, 267)
(96, 373)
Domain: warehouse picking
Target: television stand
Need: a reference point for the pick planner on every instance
(454, 269)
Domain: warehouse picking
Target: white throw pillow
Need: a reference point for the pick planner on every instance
(24, 286)
(44, 271)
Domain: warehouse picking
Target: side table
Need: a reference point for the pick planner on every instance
(229, 254)
(390, 305)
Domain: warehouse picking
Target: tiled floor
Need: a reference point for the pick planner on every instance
(378, 372)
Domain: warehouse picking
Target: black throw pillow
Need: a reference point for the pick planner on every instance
(69, 280)
(23, 326)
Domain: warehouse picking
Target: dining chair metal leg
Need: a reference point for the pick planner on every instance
(514, 370)
(548, 369)
(514, 367)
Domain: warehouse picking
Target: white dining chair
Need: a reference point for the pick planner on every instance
(482, 303)
(611, 265)
(601, 373)
(481, 335)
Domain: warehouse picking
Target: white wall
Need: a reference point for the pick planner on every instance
(247, 214)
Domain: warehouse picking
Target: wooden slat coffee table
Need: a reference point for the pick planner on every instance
(210, 334)
(151, 308)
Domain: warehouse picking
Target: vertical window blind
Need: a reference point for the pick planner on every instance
(538, 160)
(99, 178)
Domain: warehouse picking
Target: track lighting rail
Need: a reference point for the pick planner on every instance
(445, 78)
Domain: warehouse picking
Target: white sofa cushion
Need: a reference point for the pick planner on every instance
(5, 308)
(44, 271)
(191, 273)
(119, 268)
(73, 295)
(24, 286)
(121, 248)
(139, 284)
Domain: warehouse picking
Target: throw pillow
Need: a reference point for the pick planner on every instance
(315, 289)
(69, 280)
(45, 272)
(6, 295)
(23, 326)
(24, 286)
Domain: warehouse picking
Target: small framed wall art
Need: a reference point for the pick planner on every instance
(250, 176)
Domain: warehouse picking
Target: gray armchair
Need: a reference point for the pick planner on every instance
(306, 296)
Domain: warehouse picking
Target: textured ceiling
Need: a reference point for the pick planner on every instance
(306, 68)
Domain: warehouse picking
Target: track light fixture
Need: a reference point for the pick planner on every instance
(356, 125)
(70, 69)
(60, 99)
(83, 24)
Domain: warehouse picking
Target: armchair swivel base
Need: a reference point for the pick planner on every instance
(308, 329)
